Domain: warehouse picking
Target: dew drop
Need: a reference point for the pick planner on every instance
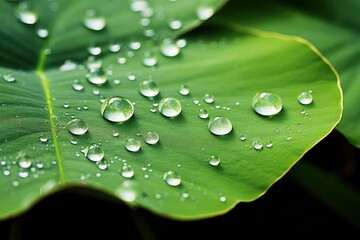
(42, 33)
(172, 178)
(257, 144)
(25, 14)
(203, 113)
(151, 138)
(77, 126)
(149, 60)
(94, 50)
(132, 144)
(208, 98)
(269, 144)
(169, 107)
(169, 48)
(220, 125)
(94, 153)
(23, 160)
(305, 98)
(97, 76)
(117, 109)
(114, 47)
(266, 103)
(77, 86)
(184, 90)
(9, 78)
(23, 174)
(135, 45)
(128, 191)
(43, 138)
(175, 24)
(242, 137)
(127, 171)
(214, 160)
(102, 165)
(205, 13)
(94, 22)
(148, 88)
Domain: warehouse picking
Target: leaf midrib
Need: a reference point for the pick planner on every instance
(50, 107)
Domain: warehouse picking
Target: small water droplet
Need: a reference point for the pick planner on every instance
(172, 178)
(93, 21)
(184, 90)
(23, 174)
(181, 43)
(203, 113)
(114, 47)
(127, 171)
(288, 138)
(151, 138)
(132, 144)
(170, 107)
(214, 160)
(138, 5)
(25, 14)
(222, 199)
(169, 48)
(220, 125)
(68, 65)
(175, 24)
(305, 98)
(115, 133)
(77, 126)
(43, 138)
(102, 165)
(242, 137)
(268, 144)
(135, 45)
(149, 88)
(97, 76)
(94, 153)
(257, 144)
(205, 12)
(128, 191)
(149, 60)
(131, 77)
(121, 60)
(73, 141)
(117, 109)
(23, 160)
(208, 98)
(266, 103)
(9, 78)
(42, 32)
(77, 85)
(94, 50)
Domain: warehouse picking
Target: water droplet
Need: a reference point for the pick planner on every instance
(170, 107)
(25, 14)
(220, 125)
(132, 144)
(97, 76)
(172, 178)
(73, 141)
(23, 174)
(9, 78)
(257, 145)
(127, 171)
(114, 47)
(43, 138)
(131, 77)
(149, 60)
(93, 21)
(117, 109)
(42, 32)
(138, 5)
(266, 103)
(77, 126)
(288, 138)
(151, 138)
(205, 13)
(92, 63)
(269, 144)
(242, 137)
(115, 133)
(121, 60)
(175, 24)
(203, 113)
(68, 65)
(222, 199)
(208, 98)
(94, 153)
(148, 88)
(135, 45)
(169, 48)
(214, 160)
(181, 43)
(128, 191)
(305, 98)
(102, 165)
(184, 90)
(94, 50)
(77, 86)
(23, 160)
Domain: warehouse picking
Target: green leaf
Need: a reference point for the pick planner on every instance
(332, 26)
(230, 64)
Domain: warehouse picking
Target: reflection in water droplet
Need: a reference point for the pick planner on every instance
(220, 125)
(266, 103)
(117, 109)
(94, 22)
(127, 171)
(151, 138)
(170, 107)
(77, 126)
(305, 98)
(94, 153)
(25, 14)
(149, 88)
(203, 113)
(214, 160)
(169, 48)
(132, 144)
(172, 178)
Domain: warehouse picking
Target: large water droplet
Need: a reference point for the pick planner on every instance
(220, 125)
(127, 171)
(151, 138)
(9, 77)
(170, 107)
(128, 191)
(172, 178)
(94, 153)
(94, 22)
(267, 103)
(205, 12)
(132, 144)
(77, 126)
(23, 160)
(117, 109)
(305, 98)
(25, 14)
(214, 160)
(169, 48)
(149, 88)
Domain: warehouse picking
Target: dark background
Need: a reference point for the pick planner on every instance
(286, 210)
